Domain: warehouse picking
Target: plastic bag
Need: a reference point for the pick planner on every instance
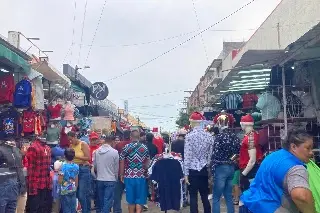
(314, 182)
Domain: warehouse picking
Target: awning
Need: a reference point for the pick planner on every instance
(12, 59)
(268, 58)
(244, 79)
(306, 48)
(51, 73)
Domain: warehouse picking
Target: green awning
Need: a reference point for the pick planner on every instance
(76, 88)
(14, 58)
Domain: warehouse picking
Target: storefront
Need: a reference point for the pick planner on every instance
(280, 89)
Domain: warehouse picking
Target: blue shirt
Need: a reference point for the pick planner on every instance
(70, 172)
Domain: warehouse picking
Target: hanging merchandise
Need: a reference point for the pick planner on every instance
(69, 111)
(269, 106)
(9, 123)
(231, 101)
(308, 107)
(28, 121)
(314, 181)
(22, 94)
(249, 100)
(64, 141)
(53, 134)
(55, 110)
(166, 174)
(294, 106)
(6, 88)
(38, 93)
(84, 123)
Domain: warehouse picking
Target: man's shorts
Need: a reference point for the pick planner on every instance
(136, 192)
(236, 178)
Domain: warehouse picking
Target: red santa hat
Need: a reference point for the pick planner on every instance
(247, 120)
(196, 117)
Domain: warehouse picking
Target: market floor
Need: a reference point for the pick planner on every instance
(154, 209)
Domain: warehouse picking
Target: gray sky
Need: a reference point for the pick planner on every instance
(120, 43)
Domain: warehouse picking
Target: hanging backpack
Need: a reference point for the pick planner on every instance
(314, 182)
(22, 94)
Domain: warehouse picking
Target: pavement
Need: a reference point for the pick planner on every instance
(154, 209)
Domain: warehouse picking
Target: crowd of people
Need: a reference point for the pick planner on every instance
(41, 179)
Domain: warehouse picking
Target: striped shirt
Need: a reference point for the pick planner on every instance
(231, 100)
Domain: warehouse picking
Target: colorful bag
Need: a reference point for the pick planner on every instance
(314, 181)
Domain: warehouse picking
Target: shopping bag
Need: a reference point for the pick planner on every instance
(314, 182)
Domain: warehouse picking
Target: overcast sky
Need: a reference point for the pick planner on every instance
(130, 33)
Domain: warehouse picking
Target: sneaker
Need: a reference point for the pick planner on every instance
(210, 196)
(145, 208)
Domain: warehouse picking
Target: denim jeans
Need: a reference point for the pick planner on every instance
(118, 191)
(105, 195)
(94, 191)
(222, 185)
(68, 203)
(84, 188)
(9, 192)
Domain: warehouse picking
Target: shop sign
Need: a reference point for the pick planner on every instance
(99, 91)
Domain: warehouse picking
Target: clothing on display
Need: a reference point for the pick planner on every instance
(166, 173)
(84, 123)
(269, 106)
(294, 106)
(53, 135)
(276, 76)
(64, 141)
(6, 88)
(249, 100)
(9, 123)
(308, 107)
(231, 100)
(38, 93)
(69, 112)
(55, 111)
(22, 94)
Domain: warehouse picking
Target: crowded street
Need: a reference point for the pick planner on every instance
(174, 106)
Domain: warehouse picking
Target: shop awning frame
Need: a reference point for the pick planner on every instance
(51, 73)
(306, 48)
(13, 59)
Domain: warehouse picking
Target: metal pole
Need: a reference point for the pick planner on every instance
(284, 100)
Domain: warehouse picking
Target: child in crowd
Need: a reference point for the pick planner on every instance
(68, 180)
(56, 186)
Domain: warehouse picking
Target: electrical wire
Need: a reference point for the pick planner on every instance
(157, 94)
(184, 34)
(83, 22)
(73, 33)
(95, 33)
(199, 28)
(182, 43)
(151, 114)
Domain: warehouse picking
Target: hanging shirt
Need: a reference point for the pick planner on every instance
(6, 88)
(135, 155)
(53, 135)
(168, 173)
(28, 122)
(39, 159)
(231, 100)
(197, 149)
(9, 123)
(22, 94)
(55, 111)
(249, 101)
(69, 112)
(269, 106)
(294, 106)
(38, 92)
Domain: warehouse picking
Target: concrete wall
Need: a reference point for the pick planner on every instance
(295, 18)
